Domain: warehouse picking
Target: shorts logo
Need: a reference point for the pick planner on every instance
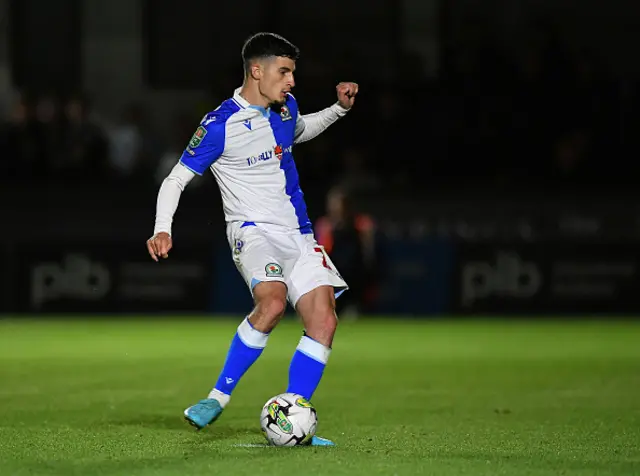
(273, 270)
(238, 248)
(197, 137)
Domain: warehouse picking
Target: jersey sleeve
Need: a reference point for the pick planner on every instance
(206, 145)
(300, 126)
(311, 125)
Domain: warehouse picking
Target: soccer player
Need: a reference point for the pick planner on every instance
(247, 144)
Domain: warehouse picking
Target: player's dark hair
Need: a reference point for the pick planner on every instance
(265, 45)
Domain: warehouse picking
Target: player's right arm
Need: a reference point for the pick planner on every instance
(204, 148)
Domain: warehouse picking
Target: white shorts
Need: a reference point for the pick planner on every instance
(268, 253)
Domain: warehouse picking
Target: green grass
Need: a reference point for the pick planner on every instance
(98, 397)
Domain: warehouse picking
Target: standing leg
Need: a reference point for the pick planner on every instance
(246, 346)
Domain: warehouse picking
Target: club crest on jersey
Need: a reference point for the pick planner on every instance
(285, 114)
(273, 270)
(197, 137)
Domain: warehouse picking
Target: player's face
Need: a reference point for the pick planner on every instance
(277, 79)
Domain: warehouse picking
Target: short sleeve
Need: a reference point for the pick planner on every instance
(205, 146)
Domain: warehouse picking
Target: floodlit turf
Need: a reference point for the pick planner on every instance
(98, 397)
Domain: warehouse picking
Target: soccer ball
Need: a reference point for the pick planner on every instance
(288, 419)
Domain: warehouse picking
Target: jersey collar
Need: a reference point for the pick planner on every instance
(244, 104)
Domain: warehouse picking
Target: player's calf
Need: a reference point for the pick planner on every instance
(317, 310)
(251, 338)
(323, 328)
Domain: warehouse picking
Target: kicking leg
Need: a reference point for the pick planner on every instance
(317, 311)
(246, 346)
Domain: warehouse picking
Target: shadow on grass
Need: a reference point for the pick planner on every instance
(217, 431)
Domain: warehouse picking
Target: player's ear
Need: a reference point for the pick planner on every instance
(256, 71)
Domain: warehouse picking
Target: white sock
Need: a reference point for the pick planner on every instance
(223, 398)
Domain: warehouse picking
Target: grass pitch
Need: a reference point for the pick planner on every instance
(99, 397)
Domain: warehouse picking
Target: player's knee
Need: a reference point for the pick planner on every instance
(271, 303)
(273, 307)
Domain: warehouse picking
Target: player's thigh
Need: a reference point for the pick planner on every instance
(318, 303)
(311, 271)
(256, 257)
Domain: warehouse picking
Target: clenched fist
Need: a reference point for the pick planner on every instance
(347, 94)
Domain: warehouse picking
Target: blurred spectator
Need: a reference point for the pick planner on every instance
(356, 175)
(349, 239)
(85, 144)
(571, 158)
(180, 133)
(49, 129)
(21, 150)
(125, 144)
(526, 114)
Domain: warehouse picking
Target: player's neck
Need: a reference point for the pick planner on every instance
(252, 96)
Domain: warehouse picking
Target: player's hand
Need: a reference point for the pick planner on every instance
(347, 94)
(159, 245)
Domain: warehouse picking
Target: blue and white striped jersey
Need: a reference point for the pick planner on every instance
(249, 151)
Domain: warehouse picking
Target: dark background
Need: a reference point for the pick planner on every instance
(495, 143)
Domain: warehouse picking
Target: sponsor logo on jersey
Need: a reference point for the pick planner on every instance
(278, 150)
(254, 159)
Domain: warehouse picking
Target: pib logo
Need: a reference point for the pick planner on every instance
(509, 276)
(77, 276)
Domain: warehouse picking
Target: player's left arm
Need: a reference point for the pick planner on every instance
(311, 125)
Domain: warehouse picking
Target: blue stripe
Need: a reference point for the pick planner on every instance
(265, 112)
(283, 133)
(248, 223)
(200, 158)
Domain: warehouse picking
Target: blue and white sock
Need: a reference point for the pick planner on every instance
(307, 367)
(246, 346)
